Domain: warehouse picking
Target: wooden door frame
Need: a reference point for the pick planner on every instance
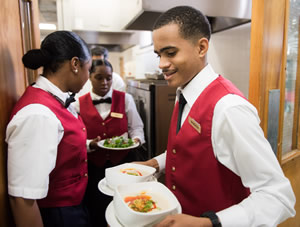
(269, 27)
(268, 58)
(13, 81)
(35, 31)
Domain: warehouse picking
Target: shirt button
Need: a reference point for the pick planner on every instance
(83, 129)
(85, 160)
(174, 151)
(173, 168)
(85, 174)
(174, 187)
(104, 134)
(103, 123)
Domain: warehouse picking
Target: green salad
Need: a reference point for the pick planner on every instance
(118, 142)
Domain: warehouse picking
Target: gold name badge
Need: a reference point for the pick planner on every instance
(116, 115)
(195, 125)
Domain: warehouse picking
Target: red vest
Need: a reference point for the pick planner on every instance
(195, 176)
(68, 180)
(113, 125)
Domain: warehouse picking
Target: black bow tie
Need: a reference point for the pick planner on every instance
(107, 100)
(70, 100)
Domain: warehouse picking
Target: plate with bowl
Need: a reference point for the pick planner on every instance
(105, 189)
(112, 220)
(118, 143)
(128, 173)
(142, 204)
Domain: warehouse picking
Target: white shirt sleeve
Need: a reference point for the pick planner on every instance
(32, 137)
(239, 144)
(135, 123)
(161, 160)
(118, 82)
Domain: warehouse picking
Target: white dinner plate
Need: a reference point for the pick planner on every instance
(110, 216)
(114, 222)
(105, 189)
(100, 144)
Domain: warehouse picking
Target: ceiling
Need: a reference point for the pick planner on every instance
(130, 18)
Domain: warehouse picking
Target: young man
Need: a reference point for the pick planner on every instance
(218, 162)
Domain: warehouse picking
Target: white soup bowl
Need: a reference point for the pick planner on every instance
(164, 199)
(115, 175)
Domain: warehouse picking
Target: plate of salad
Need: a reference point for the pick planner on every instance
(118, 143)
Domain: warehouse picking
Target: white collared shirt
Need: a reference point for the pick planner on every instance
(32, 136)
(239, 144)
(135, 123)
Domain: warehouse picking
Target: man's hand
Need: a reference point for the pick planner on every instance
(184, 220)
(152, 163)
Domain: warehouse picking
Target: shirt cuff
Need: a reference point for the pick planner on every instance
(161, 160)
(234, 216)
(27, 193)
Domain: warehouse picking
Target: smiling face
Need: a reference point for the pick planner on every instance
(180, 59)
(101, 79)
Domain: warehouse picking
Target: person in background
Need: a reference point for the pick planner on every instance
(218, 163)
(106, 113)
(47, 168)
(101, 53)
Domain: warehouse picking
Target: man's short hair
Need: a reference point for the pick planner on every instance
(193, 24)
(100, 51)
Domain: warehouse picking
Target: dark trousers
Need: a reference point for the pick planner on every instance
(97, 202)
(73, 216)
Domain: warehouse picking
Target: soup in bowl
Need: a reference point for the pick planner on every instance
(128, 173)
(140, 204)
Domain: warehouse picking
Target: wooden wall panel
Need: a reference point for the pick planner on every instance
(12, 83)
(282, 82)
(267, 71)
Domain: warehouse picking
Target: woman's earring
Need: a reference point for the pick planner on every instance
(75, 70)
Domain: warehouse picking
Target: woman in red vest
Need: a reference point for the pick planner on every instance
(106, 113)
(47, 156)
(218, 163)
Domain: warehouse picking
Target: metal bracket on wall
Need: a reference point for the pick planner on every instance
(273, 118)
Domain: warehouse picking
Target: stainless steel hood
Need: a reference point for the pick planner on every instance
(222, 14)
(123, 22)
